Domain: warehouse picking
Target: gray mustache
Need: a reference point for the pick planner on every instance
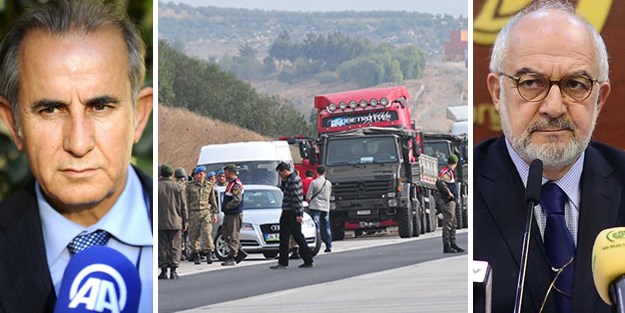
(558, 123)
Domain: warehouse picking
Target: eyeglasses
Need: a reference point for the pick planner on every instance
(552, 286)
(534, 87)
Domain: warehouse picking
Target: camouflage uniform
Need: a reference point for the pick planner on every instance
(202, 207)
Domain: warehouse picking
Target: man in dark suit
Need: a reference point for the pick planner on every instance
(549, 81)
(71, 76)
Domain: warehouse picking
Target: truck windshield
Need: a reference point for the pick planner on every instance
(256, 172)
(361, 150)
(439, 150)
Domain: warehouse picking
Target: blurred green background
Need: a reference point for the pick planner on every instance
(14, 171)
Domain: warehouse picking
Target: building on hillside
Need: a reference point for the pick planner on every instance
(456, 46)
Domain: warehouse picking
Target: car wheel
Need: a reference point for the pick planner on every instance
(271, 254)
(221, 247)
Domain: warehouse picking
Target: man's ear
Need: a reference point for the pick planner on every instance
(7, 115)
(604, 92)
(494, 88)
(144, 108)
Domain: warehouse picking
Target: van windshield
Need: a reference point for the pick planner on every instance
(253, 173)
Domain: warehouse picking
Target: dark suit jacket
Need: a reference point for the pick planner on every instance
(25, 282)
(499, 224)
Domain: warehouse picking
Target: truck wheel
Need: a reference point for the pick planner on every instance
(465, 219)
(271, 254)
(405, 222)
(433, 219)
(338, 229)
(458, 216)
(221, 247)
(416, 229)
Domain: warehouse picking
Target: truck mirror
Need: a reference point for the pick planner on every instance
(303, 151)
(312, 155)
(415, 148)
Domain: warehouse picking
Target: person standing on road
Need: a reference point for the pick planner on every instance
(446, 185)
(232, 207)
(172, 219)
(291, 217)
(318, 198)
(307, 180)
(202, 205)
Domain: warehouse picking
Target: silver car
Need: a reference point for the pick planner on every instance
(260, 229)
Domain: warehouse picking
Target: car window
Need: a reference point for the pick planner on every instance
(260, 199)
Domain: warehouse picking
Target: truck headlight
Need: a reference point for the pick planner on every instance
(392, 202)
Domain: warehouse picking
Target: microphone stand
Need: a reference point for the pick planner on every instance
(524, 255)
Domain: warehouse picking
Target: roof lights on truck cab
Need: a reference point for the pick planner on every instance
(373, 102)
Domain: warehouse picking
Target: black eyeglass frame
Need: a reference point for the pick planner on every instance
(517, 79)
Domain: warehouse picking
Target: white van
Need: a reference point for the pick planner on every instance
(256, 161)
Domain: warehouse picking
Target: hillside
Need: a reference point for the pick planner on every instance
(181, 134)
(443, 84)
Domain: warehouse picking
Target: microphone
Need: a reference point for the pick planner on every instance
(99, 279)
(608, 268)
(532, 197)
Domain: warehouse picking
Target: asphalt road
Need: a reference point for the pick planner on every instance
(203, 289)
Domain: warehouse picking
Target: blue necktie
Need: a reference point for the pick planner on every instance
(559, 243)
(82, 242)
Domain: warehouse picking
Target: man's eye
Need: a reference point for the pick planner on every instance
(99, 107)
(49, 110)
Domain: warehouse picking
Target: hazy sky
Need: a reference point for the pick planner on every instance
(452, 7)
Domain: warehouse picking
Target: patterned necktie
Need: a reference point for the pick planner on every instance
(82, 242)
(559, 243)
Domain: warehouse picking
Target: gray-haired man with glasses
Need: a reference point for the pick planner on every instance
(548, 80)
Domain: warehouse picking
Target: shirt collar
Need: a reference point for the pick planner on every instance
(129, 209)
(569, 183)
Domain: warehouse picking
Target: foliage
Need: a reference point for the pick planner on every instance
(14, 170)
(205, 89)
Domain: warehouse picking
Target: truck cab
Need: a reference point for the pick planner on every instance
(372, 152)
(441, 146)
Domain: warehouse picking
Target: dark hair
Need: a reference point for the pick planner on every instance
(321, 170)
(283, 166)
(61, 17)
(309, 173)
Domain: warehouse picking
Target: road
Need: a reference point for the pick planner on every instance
(357, 280)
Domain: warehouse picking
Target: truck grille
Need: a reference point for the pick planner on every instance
(361, 189)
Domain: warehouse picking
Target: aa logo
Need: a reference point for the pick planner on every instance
(496, 13)
(98, 288)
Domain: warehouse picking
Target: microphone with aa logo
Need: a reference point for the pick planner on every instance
(99, 279)
(608, 267)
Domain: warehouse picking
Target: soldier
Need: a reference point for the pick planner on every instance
(212, 178)
(221, 178)
(446, 185)
(202, 206)
(181, 177)
(232, 206)
(172, 218)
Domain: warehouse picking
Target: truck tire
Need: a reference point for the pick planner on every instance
(432, 219)
(465, 219)
(338, 229)
(416, 229)
(405, 222)
(459, 216)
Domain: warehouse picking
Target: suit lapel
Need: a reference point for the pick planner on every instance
(25, 278)
(505, 199)
(599, 208)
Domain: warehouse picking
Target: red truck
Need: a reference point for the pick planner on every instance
(372, 151)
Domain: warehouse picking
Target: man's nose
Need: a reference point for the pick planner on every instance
(553, 105)
(78, 134)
